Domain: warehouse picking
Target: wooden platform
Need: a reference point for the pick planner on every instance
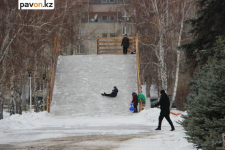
(112, 45)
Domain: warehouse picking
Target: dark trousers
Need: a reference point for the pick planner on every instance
(166, 114)
(110, 95)
(124, 50)
(135, 109)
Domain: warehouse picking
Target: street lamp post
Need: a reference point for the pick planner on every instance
(44, 77)
(29, 71)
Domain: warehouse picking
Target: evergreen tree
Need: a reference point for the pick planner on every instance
(205, 119)
(209, 24)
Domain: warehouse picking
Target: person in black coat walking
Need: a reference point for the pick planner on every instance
(113, 94)
(125, 43)
(164, 103)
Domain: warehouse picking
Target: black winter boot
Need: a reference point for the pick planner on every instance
(158, 128)
(172, 129)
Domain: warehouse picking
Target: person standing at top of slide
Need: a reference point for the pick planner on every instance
(125, 43)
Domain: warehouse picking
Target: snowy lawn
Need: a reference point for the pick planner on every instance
(36, 126)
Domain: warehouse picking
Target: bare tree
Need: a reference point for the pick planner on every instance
(1, 106)
(26, 39)
(160, 24)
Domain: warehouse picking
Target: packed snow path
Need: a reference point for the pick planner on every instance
(81, 79)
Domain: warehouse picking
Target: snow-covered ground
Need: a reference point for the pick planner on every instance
(35, 126)
(79, 110)
(34, 120)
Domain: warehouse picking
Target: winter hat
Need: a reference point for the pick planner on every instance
(162, 92)
(133, 92)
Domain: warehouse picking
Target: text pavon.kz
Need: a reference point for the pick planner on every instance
(36, 4)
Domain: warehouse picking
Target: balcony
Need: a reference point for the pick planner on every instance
(107, 21)
(99, 2)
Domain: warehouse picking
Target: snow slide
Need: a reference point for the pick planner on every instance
(80, 79)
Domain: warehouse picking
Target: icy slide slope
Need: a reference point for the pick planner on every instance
(80, 79)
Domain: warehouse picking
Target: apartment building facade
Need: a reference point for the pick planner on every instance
(103, 18)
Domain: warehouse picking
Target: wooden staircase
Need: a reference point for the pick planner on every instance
(112, 45)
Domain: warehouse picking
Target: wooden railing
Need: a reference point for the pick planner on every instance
(112, 45)
(138, 66)
(56, 53)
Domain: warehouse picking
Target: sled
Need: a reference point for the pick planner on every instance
(174, 114)
(131, 107)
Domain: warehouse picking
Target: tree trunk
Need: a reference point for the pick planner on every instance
(18, 103)
(1, 106)
(35, 86)
(148, 85)
(18, 92)
(1, 87)
(167, 14)
(178, 60)
(12, 101)
(163, 69)
(159, 85)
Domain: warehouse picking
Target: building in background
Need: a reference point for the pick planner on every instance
(104, 18)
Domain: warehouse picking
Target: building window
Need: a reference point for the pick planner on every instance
(104, 18)
(112, 35)
(80, 49)
(112, 18)
(80, 31)
(104, 35)
(124, 30)
(112, 1)
(104, 1)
